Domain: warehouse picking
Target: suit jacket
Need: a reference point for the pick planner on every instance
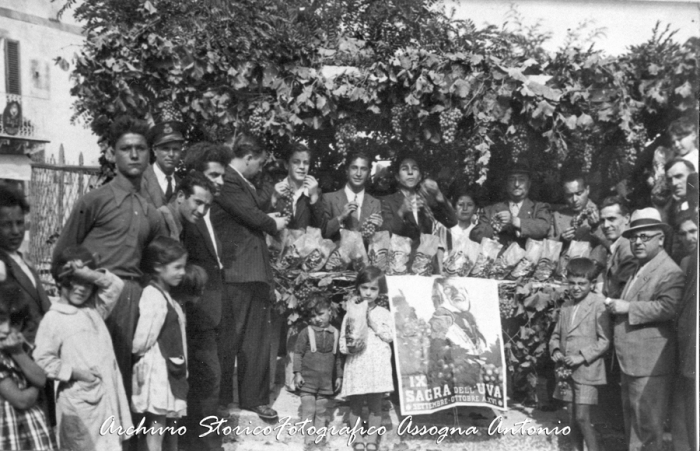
(407, 225)
(205, 314)
(151, 190)
(620, 267)
(535, 222)
(333, 204)
(688, 314)
(588, 335)
(240, 222)
(33, 298)
(645, 340)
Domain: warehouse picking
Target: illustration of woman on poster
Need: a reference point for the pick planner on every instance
(456, 343)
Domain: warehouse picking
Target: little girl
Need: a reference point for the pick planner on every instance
(317, 367)
(580, 338)
(23, 424)
(75, 349)
(368, 368)
(160, 374)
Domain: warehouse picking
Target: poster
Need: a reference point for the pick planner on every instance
(448, 343)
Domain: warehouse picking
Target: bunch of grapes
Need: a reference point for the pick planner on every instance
(587, 157)
(491, 374)
(519, 142)
(168, 112)
(397, 114)
(256, 121)
(303, 292)
(507, 308)
(448, 124)
(288, 202)
(496, 224)
(368, 228)
(563, 373)
(344, 135)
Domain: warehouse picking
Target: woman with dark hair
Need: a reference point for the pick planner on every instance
(418, 205)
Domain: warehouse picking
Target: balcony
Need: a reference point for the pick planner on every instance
(23, 118)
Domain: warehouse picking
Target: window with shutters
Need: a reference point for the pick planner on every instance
(12, 73)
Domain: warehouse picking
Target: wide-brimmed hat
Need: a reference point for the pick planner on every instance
(165, 132)
(646, 218)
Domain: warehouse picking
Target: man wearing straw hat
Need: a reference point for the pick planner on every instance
(644, 331)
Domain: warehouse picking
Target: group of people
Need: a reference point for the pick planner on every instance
(166, 291)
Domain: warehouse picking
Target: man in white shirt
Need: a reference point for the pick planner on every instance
(204, 317)
(159, 180)
(350, 206)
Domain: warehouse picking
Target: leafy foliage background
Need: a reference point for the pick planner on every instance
(387, 77)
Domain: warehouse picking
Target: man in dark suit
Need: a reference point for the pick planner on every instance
(621, 264)
(349, 207)
(241, 224)
(645, 340)
(159, 180)
(298, 195)
(191, 203)
(203, 317)
(518, 218)
(13, 209)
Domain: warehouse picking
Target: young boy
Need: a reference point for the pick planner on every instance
(684, 139)
(580, 338)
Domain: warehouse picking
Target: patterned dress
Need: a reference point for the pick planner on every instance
(369, 371)
(21, 429)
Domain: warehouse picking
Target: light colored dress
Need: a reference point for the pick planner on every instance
(370, 370)
(76, 337)
(152, 391)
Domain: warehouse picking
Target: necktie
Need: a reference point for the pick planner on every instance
(357, 211)
(169, 190)
(514, 210)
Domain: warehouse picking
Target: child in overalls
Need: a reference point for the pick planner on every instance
(317, 368)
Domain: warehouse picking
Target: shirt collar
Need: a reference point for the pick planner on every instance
(121, 190)
(299, 192)
(160, 175)
(64, 307)
(322, 329)
(351, 194)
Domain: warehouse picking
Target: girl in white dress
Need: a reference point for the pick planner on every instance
(367, 373)
(160, 373)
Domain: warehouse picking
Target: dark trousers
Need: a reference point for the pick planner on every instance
(121, 324)
(205, 382)
(244, 335)
(645, 403)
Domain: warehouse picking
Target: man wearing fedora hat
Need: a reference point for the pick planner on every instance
(518, 218)
(644, 331)
(159, 180)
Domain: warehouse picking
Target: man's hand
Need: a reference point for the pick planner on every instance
(593, 218)
(557, 355)
(281, 191)
(348, 210)
(338, 384)
(376, 219)
(431, 187)
(617, 306)
(280, 221)
(298, 380)
(311, 185)
(505, 217)
(574, 360)
(89, 375)
(568, 234)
